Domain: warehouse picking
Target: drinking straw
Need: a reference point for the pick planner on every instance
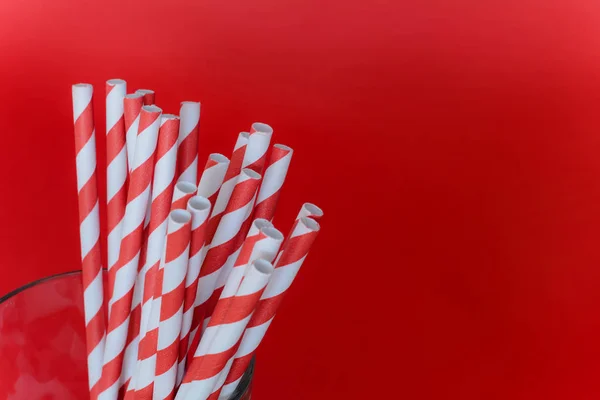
(171, 307)
(132, 106)
(287, 265)
(126, 269)
(274, 177)
(184, 190)
(187, 153)
(89, 228)
(212, 176)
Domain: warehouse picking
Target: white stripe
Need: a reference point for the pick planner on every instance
(116, 173)
(257, 147)
(175, 272)
(228, 335)
(206, 285)
(191, 172)
(82, 95)
(92, 297)
(224, 196)
(169, 329)
(115, 341)
(130, 360)
(114, 244)
(125, 279)
(222, 375)
(114, 104)
(89, 231)
(165, 383)
(131, 137)
(212, 178)
(135, 212)
(86, 162)
(229, 389)
(95, 359)
(230, 225)
(252, 338)
(282, 278)
(227, 268)
(145, 144)
(164, 172)
(110, 393)
(274, 178)
(145, 373)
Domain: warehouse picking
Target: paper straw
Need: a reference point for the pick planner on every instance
(171, 308)
(116, 170)
(183, 192)
(199, 207)
(286, 268)
(149, 96)
(217, 264)
(162, 192)
(212, 176)
(261, 127)
(256, 151)
(201, 377)
(132, 105)
(187, 155)
(89, 228)
(126, 269)
(274, 177)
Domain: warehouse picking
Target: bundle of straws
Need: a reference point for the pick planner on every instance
(196, 269)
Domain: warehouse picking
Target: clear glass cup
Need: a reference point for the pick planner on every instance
(42, 342)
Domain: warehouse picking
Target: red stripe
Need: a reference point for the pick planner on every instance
(119, 312)
(181, 203)
(88, 197)
(160, 207)
(131, 109)
(213, 224)
(140, 180)
(248, 247)
(145, 393)
(123, 388)
(277, 154)
(242, 194)
(91, 265)
(211, 303)
(149, 283)
(147, 118)
(214, 395)
(265, 310)
(235, 163)
(167, 137)
(210, 163)
(130, 247)
(296, 247)
(209, 365)
(115, 140)
(196, 323)
(134, 325)
(172, 302)
(258, 165)
(167, 357)
(198, 238)
(148, 345)
(115, 208)
(149, 98)
(110, 373)
(187, 151)
(84, 127)
(234, 309)
(266, 208)
(177, 242)
(94, 331)
(238, 368)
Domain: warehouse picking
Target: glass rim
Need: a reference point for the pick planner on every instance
(241, 388)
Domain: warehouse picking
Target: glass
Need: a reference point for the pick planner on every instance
(42, 342)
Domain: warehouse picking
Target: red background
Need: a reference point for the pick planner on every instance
(453, 145)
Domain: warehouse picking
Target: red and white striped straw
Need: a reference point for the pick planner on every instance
(274, 177)
(126, 269)
(287, 266)
(261, 127)
(116, 166)
(200, 379)
(256, 151)
(199, 207)
(184, 191)
(89, 228)
(262, 242)
(310, 210)
(171, 308)
(225, 240)
(132, 105)
(149, 96)
(187, 154)
(212, 176)
(162, 192)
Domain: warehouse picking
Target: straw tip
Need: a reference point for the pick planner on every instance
(152, 109)
(262, 127)
(310, 224)
(116, 81)
(313, 210)
(181, 216)
(263, 266)
(199, 203)
(218, 158)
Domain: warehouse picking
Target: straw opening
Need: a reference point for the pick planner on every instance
(170, 116)
(82, 85)
(116, 82)
(186, 187)
(199, 203)
(283, 147)
(181, 216)
(262, 127)
(152, 109)
(189, 102)
(263, 266)
(252, 174)
(310, 223)
(134, 95)
(313, 209)
(245, 135)
(262, 223)
(145, 91)
(272, 233)
(219, 158)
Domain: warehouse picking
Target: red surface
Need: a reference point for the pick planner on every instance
(454, 146)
